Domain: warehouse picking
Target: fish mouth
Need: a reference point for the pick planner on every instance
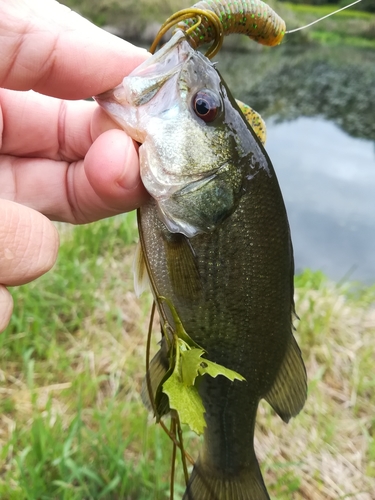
(124, 103)
(145, 81)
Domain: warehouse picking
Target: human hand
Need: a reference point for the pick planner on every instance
(61, 158)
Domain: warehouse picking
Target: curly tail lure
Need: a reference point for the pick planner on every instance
(253, 18)
(210, 20)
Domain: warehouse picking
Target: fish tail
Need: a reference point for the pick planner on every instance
(208, 484)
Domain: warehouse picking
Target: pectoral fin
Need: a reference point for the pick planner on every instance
(288, 393)
(182, 265)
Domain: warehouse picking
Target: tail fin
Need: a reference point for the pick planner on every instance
(207, 484)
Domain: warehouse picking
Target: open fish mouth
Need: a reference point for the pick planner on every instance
(145, 82)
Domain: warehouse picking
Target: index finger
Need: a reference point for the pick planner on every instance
(51, 49)
(28, 244)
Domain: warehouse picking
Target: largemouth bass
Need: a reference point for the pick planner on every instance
(216, 242)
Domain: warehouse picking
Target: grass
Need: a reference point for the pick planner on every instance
(72, 425)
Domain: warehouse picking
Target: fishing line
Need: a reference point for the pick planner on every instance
(321, 18)
(177, 443)
(148, 349)
(184, 454)
(173, 460)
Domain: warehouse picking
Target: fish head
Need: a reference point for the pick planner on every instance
(194, 140)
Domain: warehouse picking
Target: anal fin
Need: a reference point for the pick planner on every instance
(288, 393)
(158, 368)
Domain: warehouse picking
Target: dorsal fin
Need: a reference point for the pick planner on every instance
(288, 393)
(255, 120)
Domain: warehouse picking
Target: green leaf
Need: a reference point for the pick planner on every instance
(186, 401)
(213, 369)
(185, 364)
(190, 364)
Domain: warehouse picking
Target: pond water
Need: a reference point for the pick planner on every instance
(319, 106)
(328, 181)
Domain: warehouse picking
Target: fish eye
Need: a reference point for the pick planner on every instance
(206, 105)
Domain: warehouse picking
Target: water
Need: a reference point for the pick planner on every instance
(328, 181)
(319, 107)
